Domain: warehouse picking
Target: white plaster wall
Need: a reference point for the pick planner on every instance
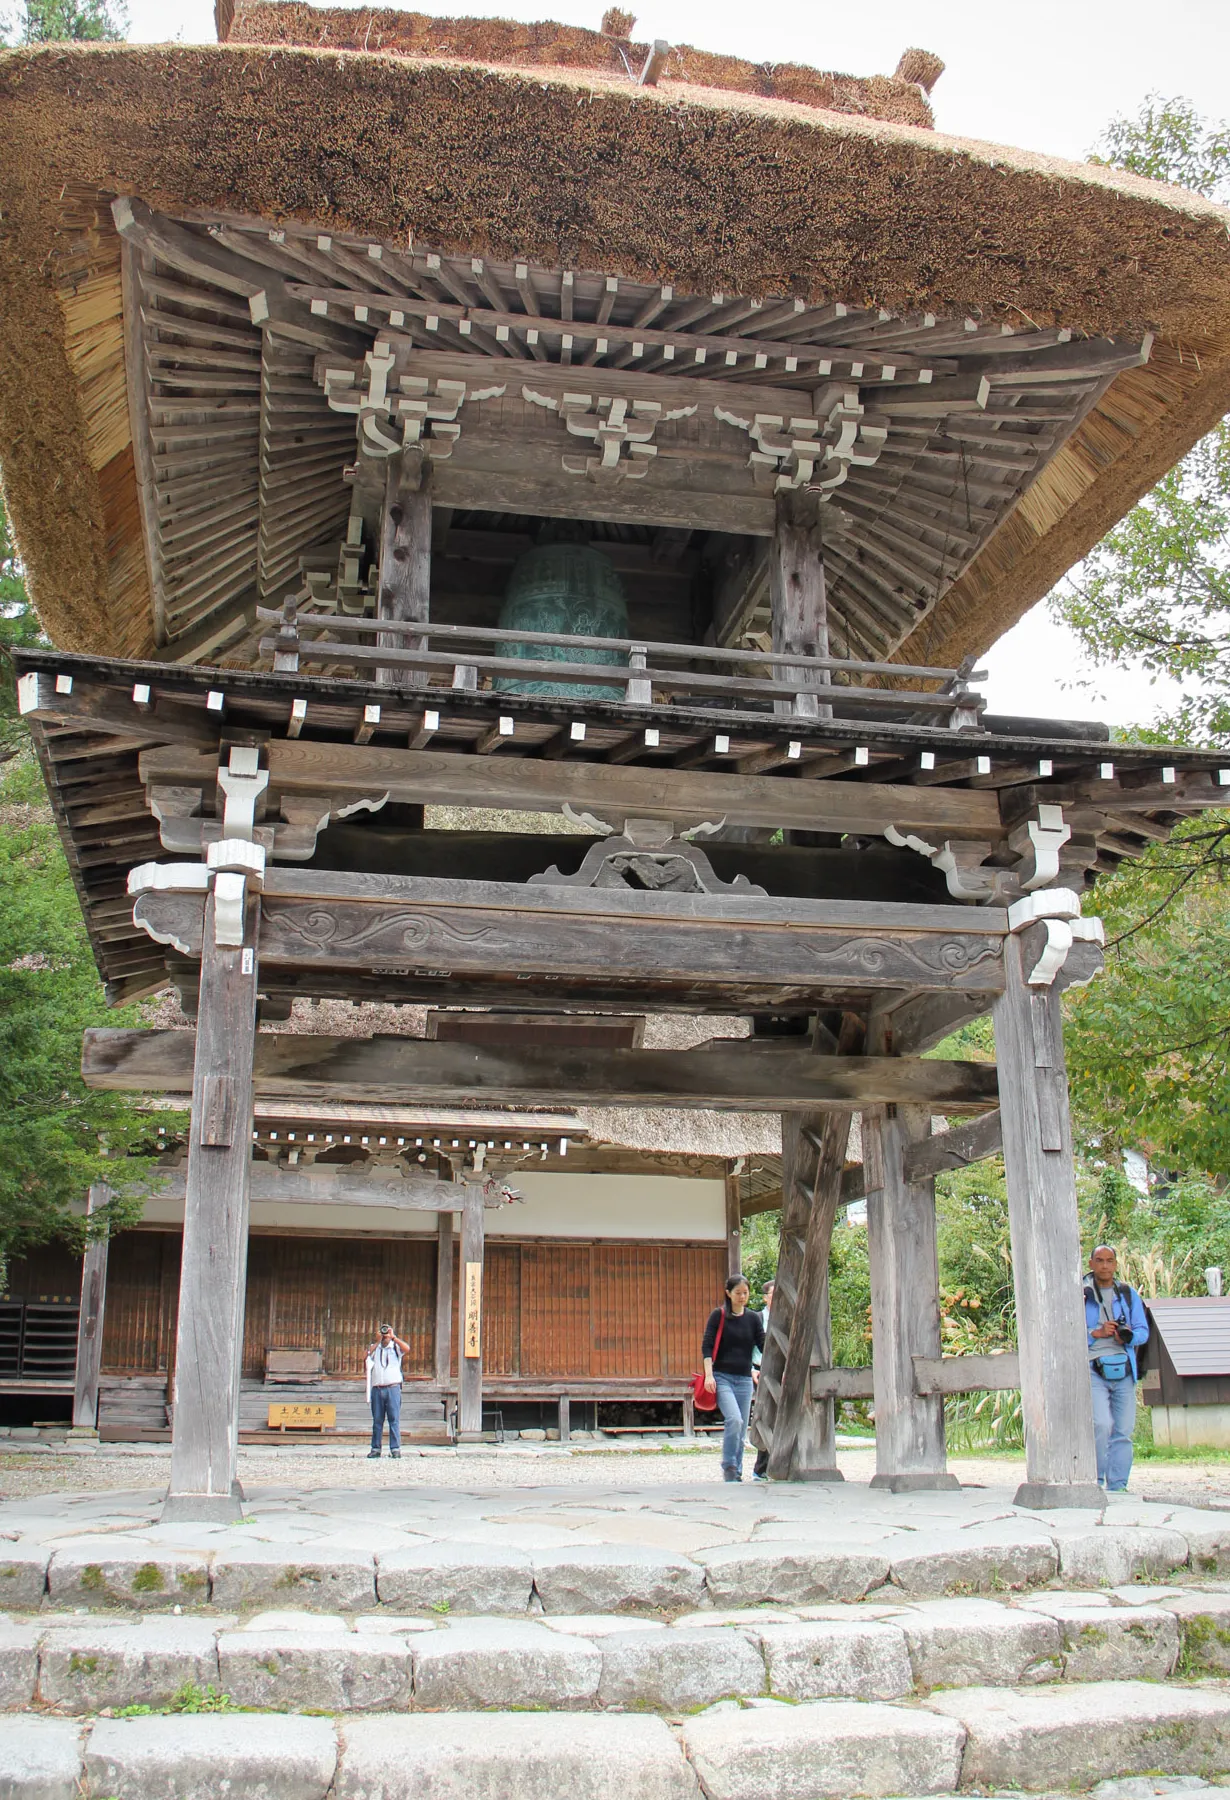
(641, 1208)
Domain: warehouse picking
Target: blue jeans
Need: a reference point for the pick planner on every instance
(734, 1396)
(1114, 1419)
(386, 1404)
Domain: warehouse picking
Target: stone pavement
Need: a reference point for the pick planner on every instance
(691, 1640)
(665, 1547)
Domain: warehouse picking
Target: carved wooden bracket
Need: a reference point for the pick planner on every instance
(812, 450)
(1058, 913)
(615, 426)
(426, 409)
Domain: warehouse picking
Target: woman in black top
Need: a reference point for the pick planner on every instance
(728, 1368)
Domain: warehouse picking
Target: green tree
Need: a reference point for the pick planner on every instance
(62, 21)
(1148, 1042)
(56, 1135)
(1156, 590)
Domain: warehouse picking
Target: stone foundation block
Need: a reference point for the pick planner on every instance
(40, 1759)
(455, 1578)
(1046, 1737)
(1204, 1627)
(675, 1671)
(202, 1758)
(494, 1662)
(532, 1756)
(23, 1576)
(1117, 1643)
(85, 1667)
(1111, 1554)
(785, 1574)
(18, 1665)
(826, 1748)
(832, 1660)
(102, 1572)
(276, 1575)
(945, 1562)
(969, 1643)
(612, 1578)
(322, 1671)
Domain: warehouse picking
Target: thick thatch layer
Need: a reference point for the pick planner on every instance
(501, 43)
(707, 190)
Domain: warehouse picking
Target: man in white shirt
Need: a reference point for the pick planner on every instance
(384, 1389)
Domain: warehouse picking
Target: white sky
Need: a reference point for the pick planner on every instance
(1047, 77)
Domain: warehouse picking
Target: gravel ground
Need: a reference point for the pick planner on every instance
(23, 1473)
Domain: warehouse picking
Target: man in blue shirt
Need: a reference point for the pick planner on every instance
(1117, 1326)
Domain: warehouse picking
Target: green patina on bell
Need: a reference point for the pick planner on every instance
(573, 591)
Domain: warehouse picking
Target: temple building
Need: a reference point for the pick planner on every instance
(418, 430)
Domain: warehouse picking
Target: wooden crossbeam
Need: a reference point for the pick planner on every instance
(312, 1186)
(610, 791)
(727, 1076)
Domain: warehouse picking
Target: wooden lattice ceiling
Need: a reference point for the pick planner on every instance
(273, 370)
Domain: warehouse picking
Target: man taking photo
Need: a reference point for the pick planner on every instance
(384, 1388)
(1117, 1326)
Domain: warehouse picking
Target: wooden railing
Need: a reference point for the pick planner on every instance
(639, 673)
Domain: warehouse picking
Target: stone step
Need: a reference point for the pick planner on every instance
(1026, 1738)
(381, 1661)
(155, 1571)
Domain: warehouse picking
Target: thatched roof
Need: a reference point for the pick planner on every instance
(705, 187)
(500, 43)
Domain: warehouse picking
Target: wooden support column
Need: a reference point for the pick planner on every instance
(734, 1224)
(813, 1152)
(209, 1337)
(90, 1320)
(444, 1299)
(797, 601)
(404, 588)
(470, 1301)
(905, 1303)
(1060, 1463)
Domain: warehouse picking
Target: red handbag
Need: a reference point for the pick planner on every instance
(702, 1399)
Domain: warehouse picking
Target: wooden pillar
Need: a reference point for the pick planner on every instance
(905, 1304)
(90, 1320)
(444, 1299)
(1060, 1462)
(565, 1419)
(734, 1224)
(404, 587)
(209, 1337)
(470, 1297)
(797, 601)
(804, 1446)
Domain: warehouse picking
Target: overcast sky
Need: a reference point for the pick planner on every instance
(1047, 77)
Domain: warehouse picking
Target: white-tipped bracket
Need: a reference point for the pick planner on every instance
(1057, 903)
(1059, 911)
(170, 878)
(1038, 842)
(1054, 953)
(236, 854)
(242, 785)
(230, 900)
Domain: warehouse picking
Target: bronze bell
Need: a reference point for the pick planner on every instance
(570, 590)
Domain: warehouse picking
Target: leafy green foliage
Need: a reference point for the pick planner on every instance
(1148, 1043)
(1169, 141)
(62, 21)
(55, 1133)
(1156, 591)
